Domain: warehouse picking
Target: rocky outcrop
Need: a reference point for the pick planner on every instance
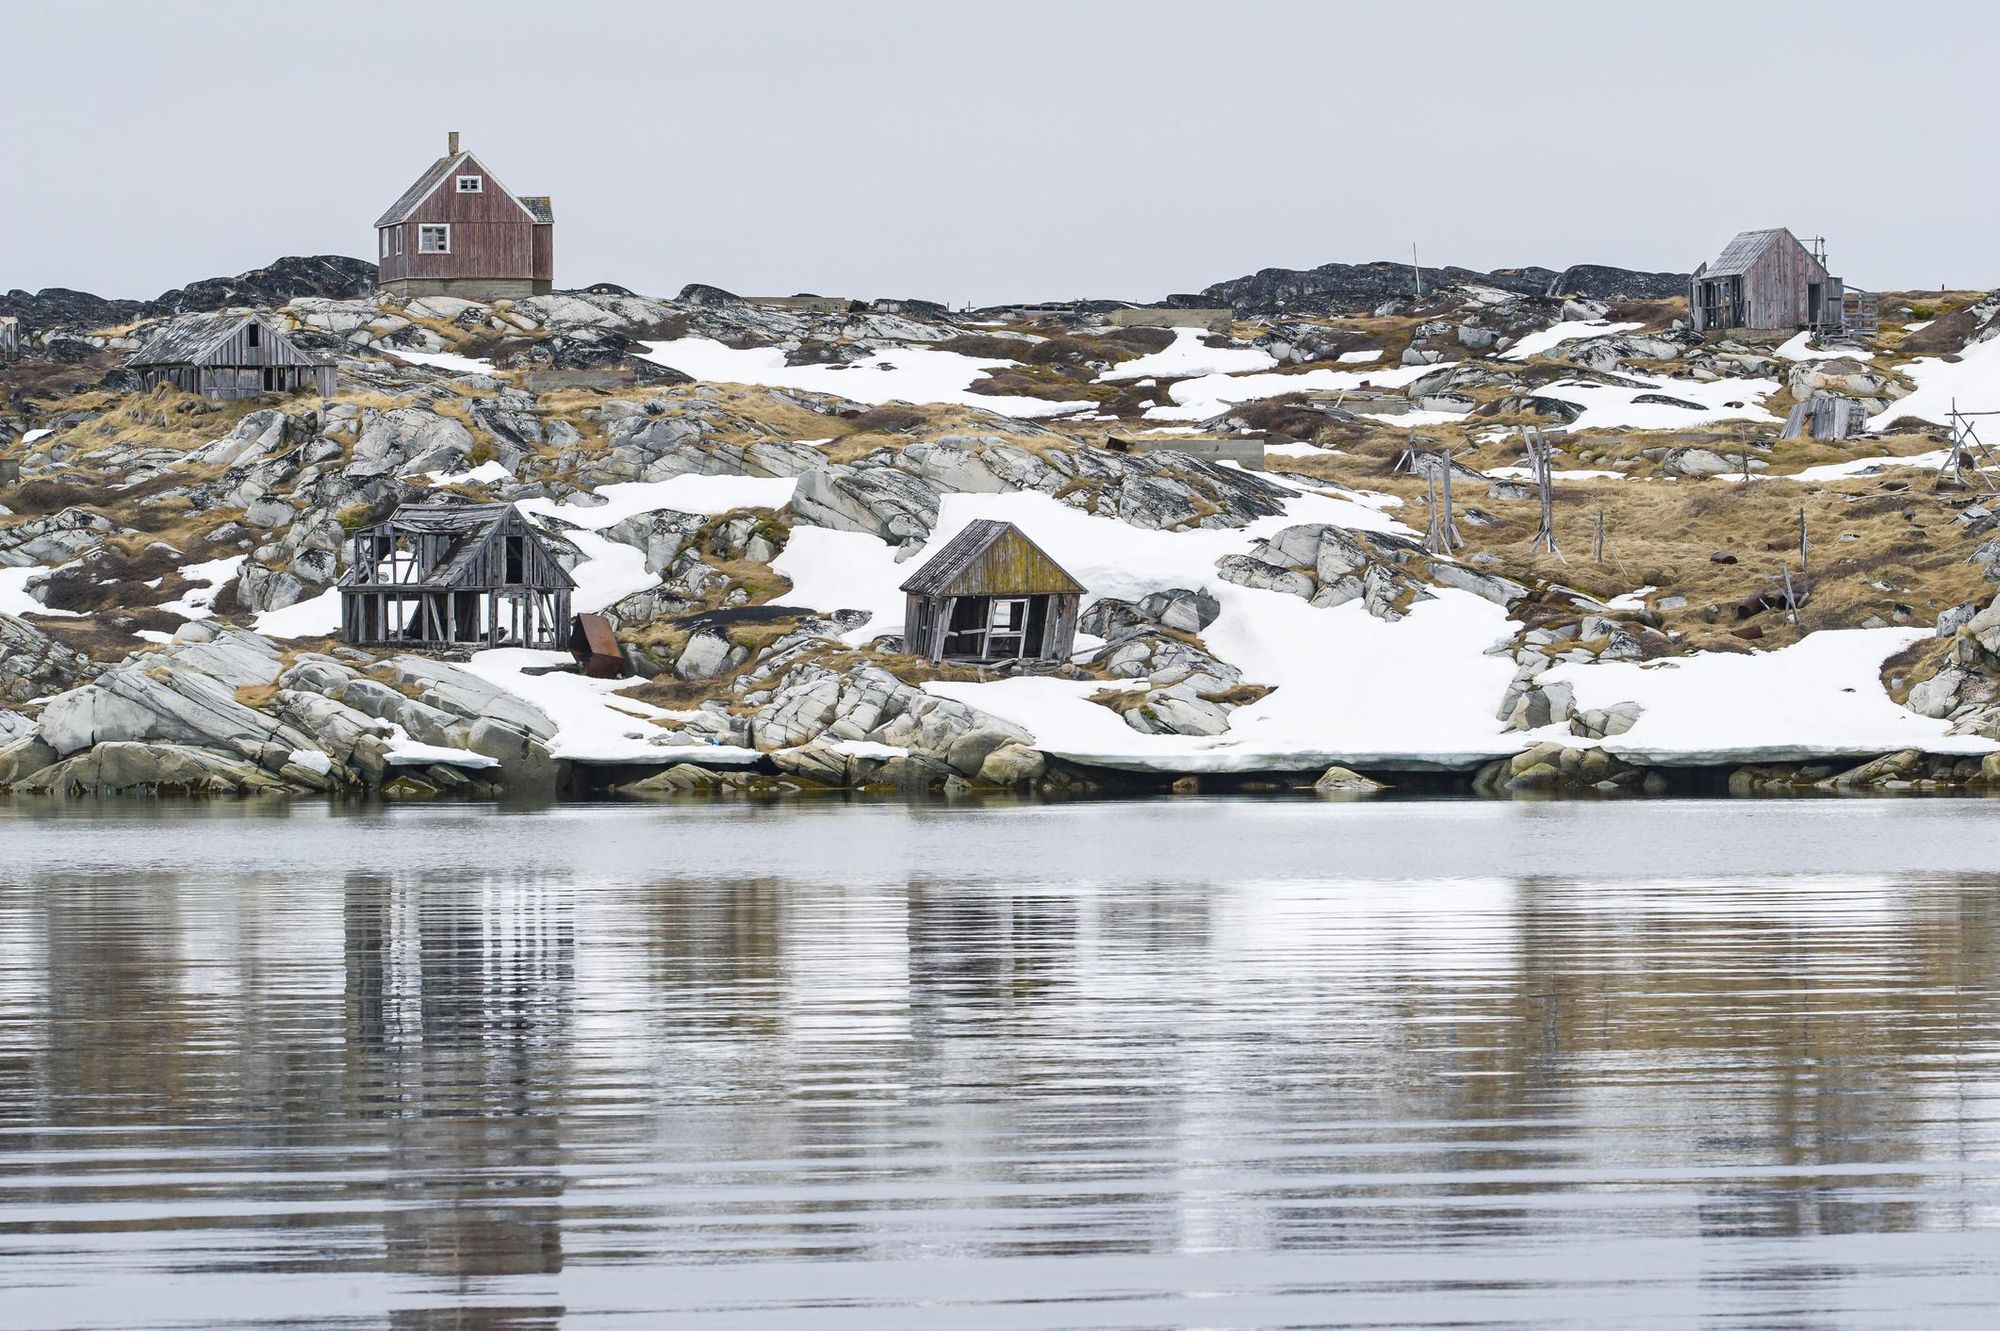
(1964, 687)
(1341, 783)
(34, 665)
(329, 276)
(218, 702)
(1188, 691)
(1180, 608)
(1553, 769)
(1344, 288)
(1330, 566)
(125, 768)
(55, 539)
(865, 727)
(1907, 770)
(894, 494)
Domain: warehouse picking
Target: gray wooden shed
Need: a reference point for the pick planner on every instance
(230, 354)
(459, 575)
(991, 594)
(10, 335)
(1767, 281)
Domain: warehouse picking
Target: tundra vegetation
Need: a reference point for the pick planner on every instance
(167, 562)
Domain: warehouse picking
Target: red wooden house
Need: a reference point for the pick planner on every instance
(459, 232)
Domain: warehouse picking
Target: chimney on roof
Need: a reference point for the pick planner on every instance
(451, 141)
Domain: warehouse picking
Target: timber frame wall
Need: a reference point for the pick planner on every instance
(963, 628)
(416, 584)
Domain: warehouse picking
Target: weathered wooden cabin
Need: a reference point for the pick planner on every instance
(991, 594)
(230, 354)
(459, 575)
(1767, 281)
(459, 232)
(10, 335)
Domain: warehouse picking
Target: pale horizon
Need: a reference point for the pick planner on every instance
(980, 154)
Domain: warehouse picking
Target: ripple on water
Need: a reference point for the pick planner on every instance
(1140, 1065)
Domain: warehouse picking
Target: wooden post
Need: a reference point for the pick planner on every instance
(1441, 535)
(1597, 539)
(1539, 463)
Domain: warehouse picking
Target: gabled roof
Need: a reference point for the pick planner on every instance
(435, 174)
(1742, 253)
(991, 558)
(189, 338)
(468, 524)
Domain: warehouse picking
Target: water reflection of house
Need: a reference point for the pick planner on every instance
(459, 1002)
(991, 594)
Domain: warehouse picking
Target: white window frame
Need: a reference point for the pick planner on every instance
(471, 185)
(399, 238)
(423, 231)
(385, 241)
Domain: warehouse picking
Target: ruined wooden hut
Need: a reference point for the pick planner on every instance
(463, 575)
(230, 354)
(10, 335)
(457, 231)
(1826, 418)
(991, 594)
(1767, 281)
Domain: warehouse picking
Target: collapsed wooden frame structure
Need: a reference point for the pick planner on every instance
(459, 575)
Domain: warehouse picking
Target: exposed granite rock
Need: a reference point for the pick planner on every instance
(1331, 566)
(34, 665)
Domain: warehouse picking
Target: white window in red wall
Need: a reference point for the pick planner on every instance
(472, 184)
(434, 238)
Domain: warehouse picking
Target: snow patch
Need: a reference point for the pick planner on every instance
(313, 760)
(893, 374)
(199, 602)
(1212, 394)
(443, 360)
(14, 597)
(1190, 355)
(1973, 383)
(486, 473)
(594, 721)
(1822, 695)
(1572, 330)
(691, 493)
(1800, 348)
(1616, 406)
(315, 617)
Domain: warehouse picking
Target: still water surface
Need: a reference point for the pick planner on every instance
(1149, 1065)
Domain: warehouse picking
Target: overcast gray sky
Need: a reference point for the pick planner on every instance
(962, 150)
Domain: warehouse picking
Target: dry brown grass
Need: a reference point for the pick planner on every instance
(1905, 563)
(259, 696)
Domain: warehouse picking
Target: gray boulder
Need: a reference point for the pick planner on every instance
(1341, 783)
(881, 501)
